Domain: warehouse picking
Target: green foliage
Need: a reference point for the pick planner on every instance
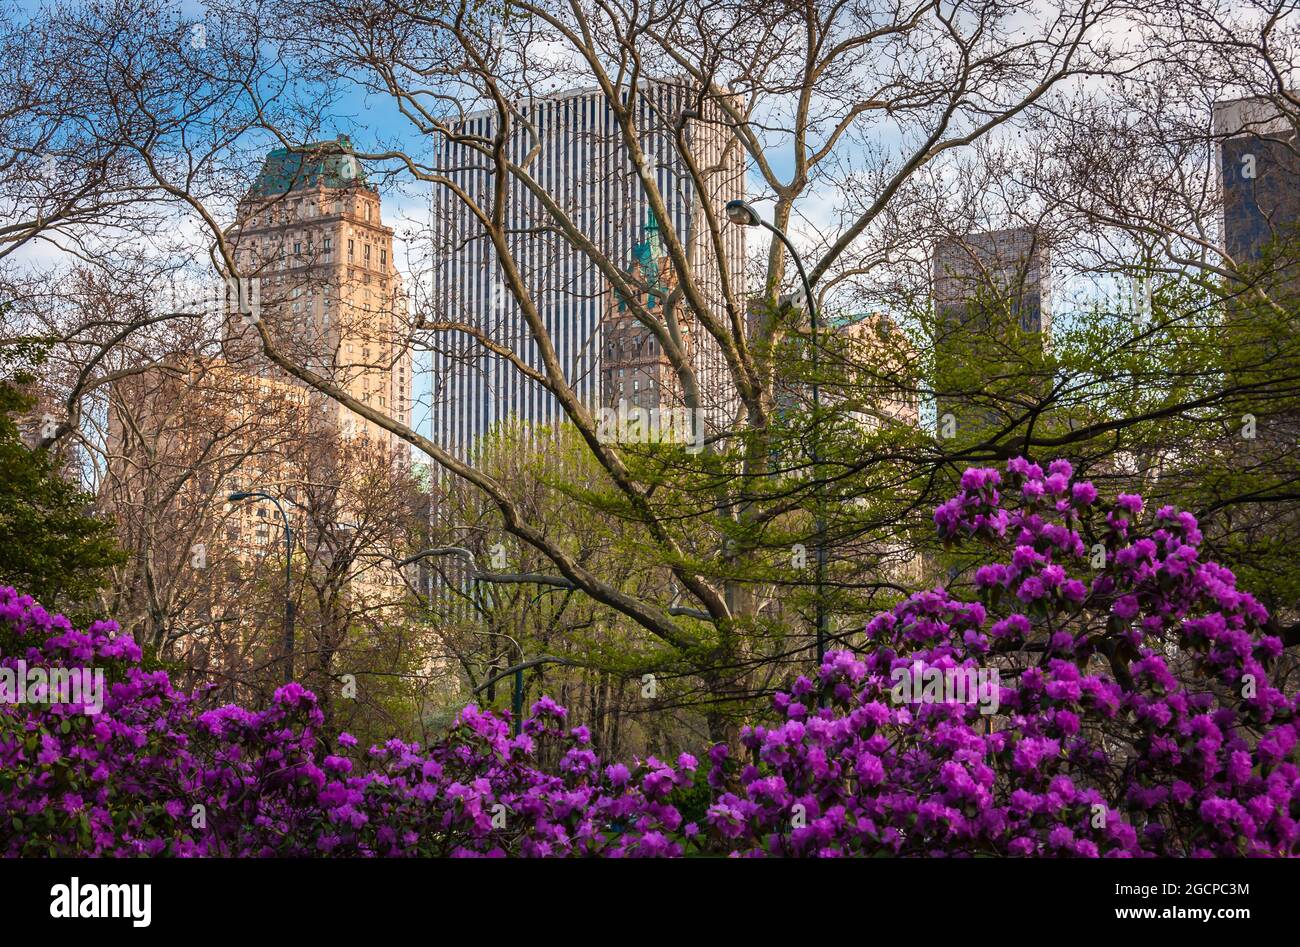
(50, 546)
(1191, 397)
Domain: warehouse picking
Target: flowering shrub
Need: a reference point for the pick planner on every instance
(153, 774)
(1134, 717)
(1136, 714)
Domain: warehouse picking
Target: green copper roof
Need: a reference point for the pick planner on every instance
(647, 254)
(324, 162)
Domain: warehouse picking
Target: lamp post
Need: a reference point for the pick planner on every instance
(744, 215)
(517, 697)
(288, 562)
(517, 704)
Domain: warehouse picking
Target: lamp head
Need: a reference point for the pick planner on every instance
(738, 212)
(239, 495)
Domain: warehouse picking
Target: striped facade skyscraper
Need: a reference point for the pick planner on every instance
(582, 163)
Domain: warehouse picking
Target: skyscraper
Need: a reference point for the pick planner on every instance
(1260, 168)
(311, 234)
(992, 306)
(582, 163)
(635, 368)
(875, 362)
(1259, 165)
(316, 269)
(1006, 268)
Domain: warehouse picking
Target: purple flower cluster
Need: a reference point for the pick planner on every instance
(1135, 716)
(153, 774)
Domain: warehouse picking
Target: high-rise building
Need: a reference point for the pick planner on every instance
(636, 371)
(1259, 161)
(571, 146)
(198, 429)
(1259, 165)
(992, 295)
(310, 238)
(878, 362)
(974, 273)
(866, 369)
(316, 270)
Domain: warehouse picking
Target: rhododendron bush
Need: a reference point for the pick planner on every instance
(1134, 715)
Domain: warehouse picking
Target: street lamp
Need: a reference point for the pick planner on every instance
(738, 212)
(742, 214)
(554, 585)
(288, 560)
(517, 703)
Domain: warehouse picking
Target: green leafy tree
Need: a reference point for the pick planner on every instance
(50, 546)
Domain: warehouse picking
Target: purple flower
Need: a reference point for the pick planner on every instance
(1031, 589)
(1125, 607)
(1130, 503)
(1073, 590)
(991, 575)
(1083, 494)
